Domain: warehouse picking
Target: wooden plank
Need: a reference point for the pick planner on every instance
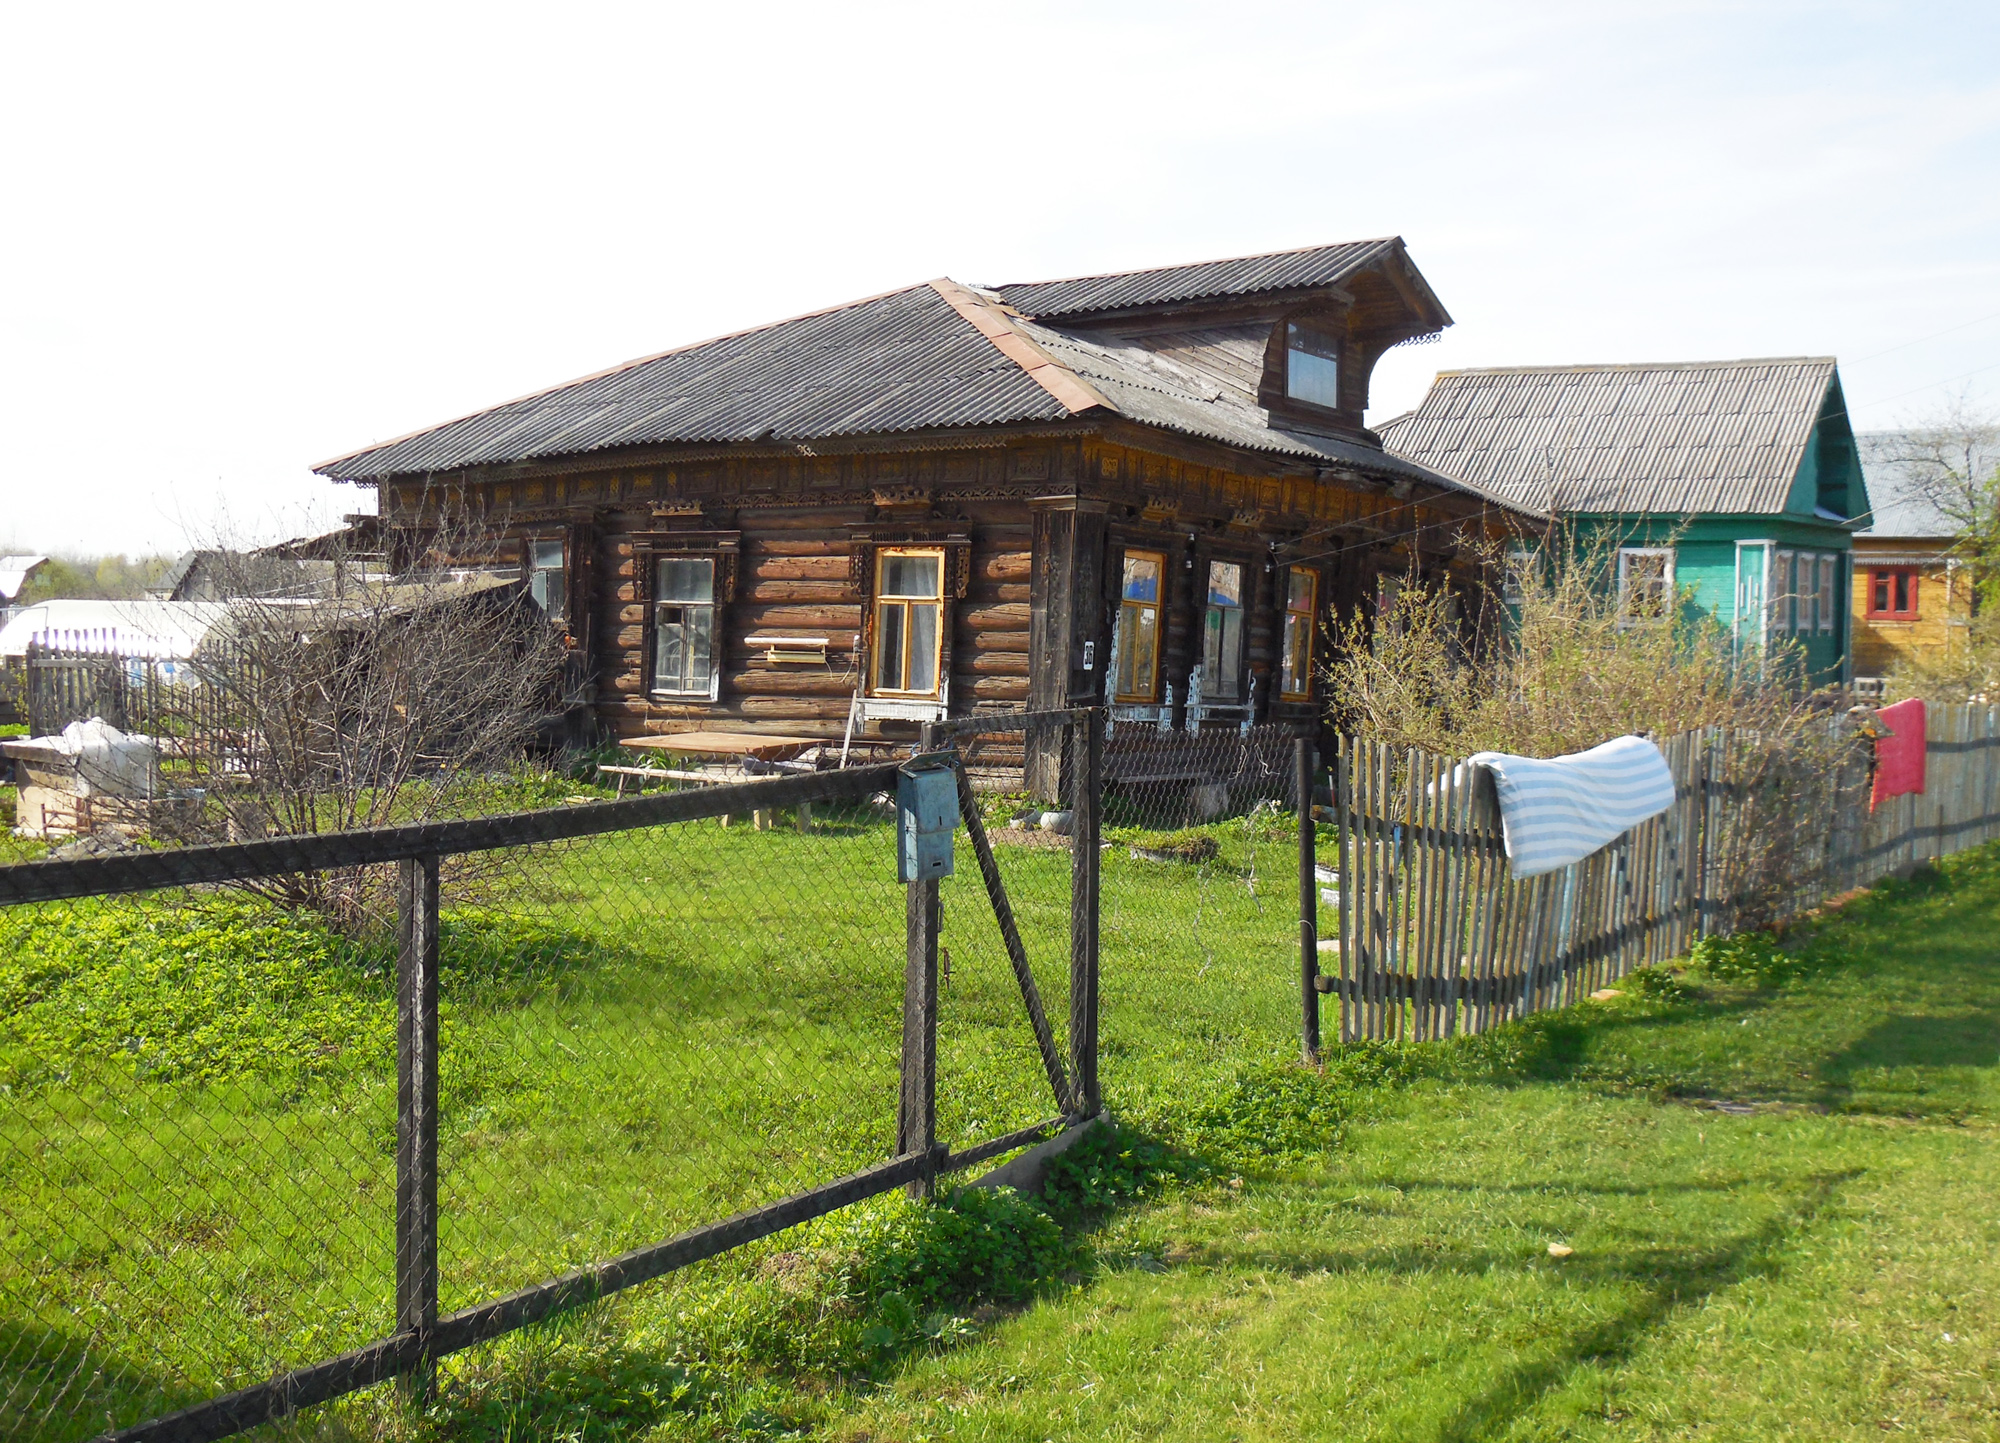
(49, 881)
(723, 744)
(417, 1116)
(1308, 858)
(1086, 859)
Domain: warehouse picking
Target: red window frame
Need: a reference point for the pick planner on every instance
(1892, 593)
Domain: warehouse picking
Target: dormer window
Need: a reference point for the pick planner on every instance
(1312, 366)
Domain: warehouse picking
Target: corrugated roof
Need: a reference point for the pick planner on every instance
(1206, 280)
(1703, 436)
(900, 362)
(934, 356)
(1901, 501)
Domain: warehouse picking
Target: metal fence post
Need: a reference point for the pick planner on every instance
(1086, 821)
(1303, 766)
(416, 1116)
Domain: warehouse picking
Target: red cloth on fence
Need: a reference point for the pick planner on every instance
(1899, 757)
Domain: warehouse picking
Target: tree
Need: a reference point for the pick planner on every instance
(1951, 460)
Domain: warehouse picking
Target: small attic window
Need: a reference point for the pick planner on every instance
(1312, 366)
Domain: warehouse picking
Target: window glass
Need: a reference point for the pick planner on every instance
(546, 577)
(684, 625)
(1312, 366)
(1823, 602)
(1222, 633)
(909, 608)
(1135, 671)
(1645, 582)
(1892, 592)
(1295, 666)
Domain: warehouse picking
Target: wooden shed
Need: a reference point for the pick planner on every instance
(1152, 489)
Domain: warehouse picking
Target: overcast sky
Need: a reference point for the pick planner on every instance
(240, 239)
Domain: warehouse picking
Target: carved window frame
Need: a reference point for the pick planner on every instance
(649, 549)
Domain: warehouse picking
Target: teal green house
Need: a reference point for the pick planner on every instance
(1736, 481)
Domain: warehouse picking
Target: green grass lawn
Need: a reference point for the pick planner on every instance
(641, 1033)
(1774, 1175)
(1813, 1259)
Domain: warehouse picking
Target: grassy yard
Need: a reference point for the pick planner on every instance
(1775, 1188)
(641, 1032)
(1773, 1175)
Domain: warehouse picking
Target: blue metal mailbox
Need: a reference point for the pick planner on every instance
(926, 816)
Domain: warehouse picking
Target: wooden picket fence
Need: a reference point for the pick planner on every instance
(1436, 938)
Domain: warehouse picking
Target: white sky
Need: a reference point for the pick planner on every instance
(240, 239)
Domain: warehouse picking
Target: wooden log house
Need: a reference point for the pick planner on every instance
(1152, 489)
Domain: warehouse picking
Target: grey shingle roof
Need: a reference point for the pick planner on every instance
(1208, 280)
(930, 357)
(1706, 436)
(1900, 504)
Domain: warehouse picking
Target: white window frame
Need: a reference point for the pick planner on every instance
(1827, 598)
(908, 603)
(1303, 338)
(1626, 555)
(538, 587)
(709, 688)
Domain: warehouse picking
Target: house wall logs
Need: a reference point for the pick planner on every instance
(1040, 524)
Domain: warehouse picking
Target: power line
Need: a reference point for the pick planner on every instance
(1904, 346)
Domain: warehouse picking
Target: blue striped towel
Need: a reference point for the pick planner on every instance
(1557, 811)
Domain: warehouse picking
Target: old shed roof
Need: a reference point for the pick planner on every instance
(1697, 436)
(933, 356)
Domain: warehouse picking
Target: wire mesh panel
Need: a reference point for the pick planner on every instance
(197, 1146)
(652, 1029)
(1004, 1023)
(1199, 910)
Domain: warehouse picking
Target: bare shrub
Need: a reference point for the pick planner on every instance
(380, 699)
(1574, 664)
(1566, 664)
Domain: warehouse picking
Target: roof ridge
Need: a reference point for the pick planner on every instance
(1190, 265)
(1578, 366)
(599, 375)
(1060, 381)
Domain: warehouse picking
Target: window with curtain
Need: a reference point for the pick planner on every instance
(1222, 633)
(909, 621)
(1312, 366)
(684, 625)
(1301, 602)
(1829, 568)
(1135, 675)
(547, 579)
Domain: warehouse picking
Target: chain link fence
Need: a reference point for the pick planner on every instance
(258, 1151)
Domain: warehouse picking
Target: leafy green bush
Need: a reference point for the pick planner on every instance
(1753, 957)
(970, 1245)
(1112, 1166)
(1659, 985)
(1266, 1110)
(222, 991)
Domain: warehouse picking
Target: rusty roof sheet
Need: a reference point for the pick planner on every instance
(1206, 280)
(1704, 436)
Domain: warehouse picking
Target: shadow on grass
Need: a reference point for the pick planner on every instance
(1922, 1047)
(1673, 1282)
(55, 1386)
